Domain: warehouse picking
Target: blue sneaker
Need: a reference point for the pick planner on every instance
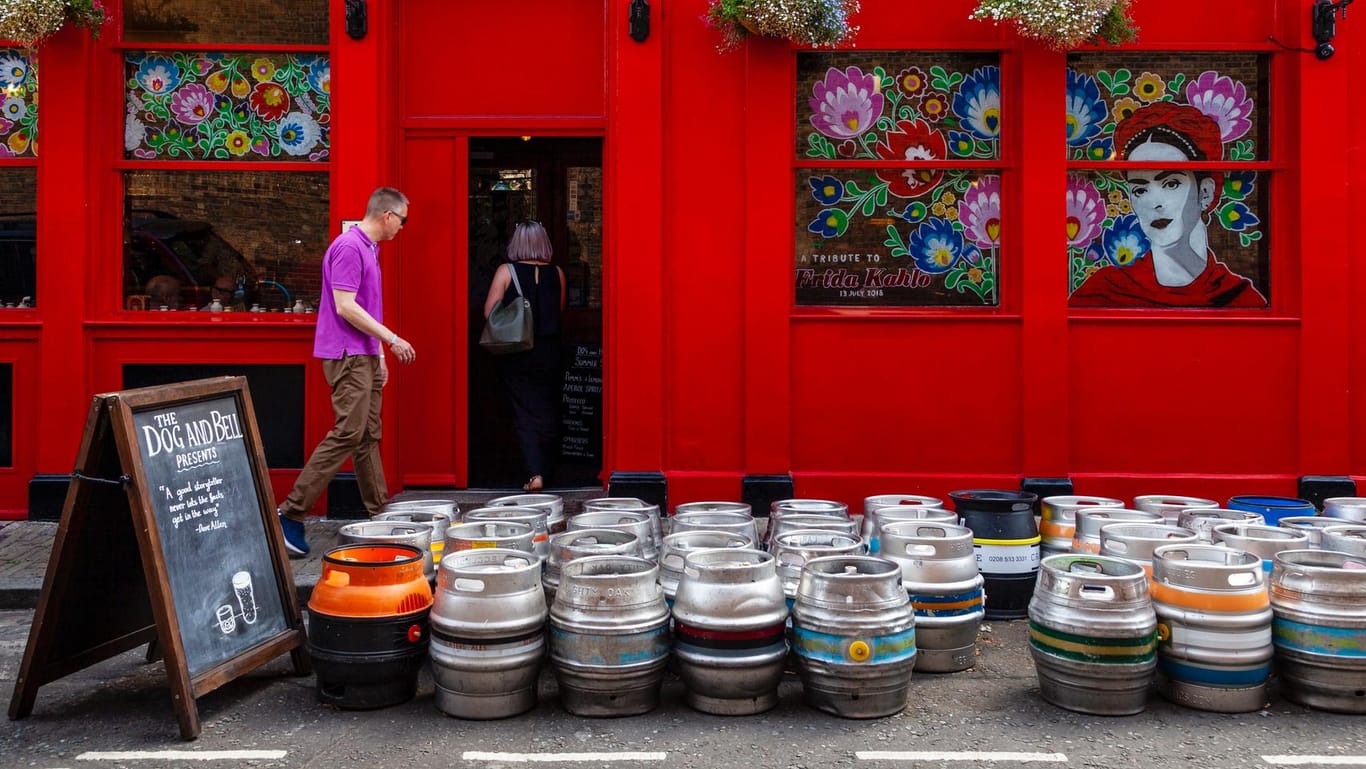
(295, 542)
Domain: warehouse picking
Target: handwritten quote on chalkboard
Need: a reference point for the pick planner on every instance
(214, 543)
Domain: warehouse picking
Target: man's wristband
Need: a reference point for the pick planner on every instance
(393, 338)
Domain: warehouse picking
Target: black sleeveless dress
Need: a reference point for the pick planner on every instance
(533, 379)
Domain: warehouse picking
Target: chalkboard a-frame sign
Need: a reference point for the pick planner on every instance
(168, 537)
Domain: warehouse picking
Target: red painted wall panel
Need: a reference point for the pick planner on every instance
(426, 265)
(923, 397)
(469, 59)
(704, 226)
(1196, 397)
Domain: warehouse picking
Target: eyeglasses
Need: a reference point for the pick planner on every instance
(402, 220)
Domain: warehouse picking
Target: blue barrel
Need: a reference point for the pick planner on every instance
(1273, 509)
(1006, 540)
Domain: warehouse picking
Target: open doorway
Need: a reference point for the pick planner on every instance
(558, 182)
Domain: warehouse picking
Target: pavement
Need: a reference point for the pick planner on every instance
(26, 545)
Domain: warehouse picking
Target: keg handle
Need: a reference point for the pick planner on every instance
(468, 585)
(1085, 567)
(1096, 591)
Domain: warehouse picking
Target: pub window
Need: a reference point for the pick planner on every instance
(1167, 182)
(897, 179)
(18, 179)
(227, 155)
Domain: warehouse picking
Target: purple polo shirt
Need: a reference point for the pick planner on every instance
(351, 264)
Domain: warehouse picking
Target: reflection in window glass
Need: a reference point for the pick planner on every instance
(227, 106)
(858, 245)
(296, 22)
(19, 120)
(260, 234)
(898, 105)
(18, 236)
(1163, 236)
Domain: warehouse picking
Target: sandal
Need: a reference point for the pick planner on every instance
(535, 484)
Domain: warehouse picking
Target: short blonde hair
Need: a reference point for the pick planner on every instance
(529, 243)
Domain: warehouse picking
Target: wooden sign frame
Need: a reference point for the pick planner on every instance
(108, 588)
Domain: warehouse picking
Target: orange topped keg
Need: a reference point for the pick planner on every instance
(367, 625)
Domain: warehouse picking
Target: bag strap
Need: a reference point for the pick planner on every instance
(512, 268)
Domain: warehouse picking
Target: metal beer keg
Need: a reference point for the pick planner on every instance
(1346, 539)
(581, 543)
(1086, 539)
(1202, 520)
(824, 508)
(1092, 634)
(1350, 509)
(488, 636)
(1058, 520)
(635, 505)
(637, 522)
(853, 631)
(874, 522)
(435, 513)
(609, 636)
(714, 507)
(536, 518)
(1262, 541)
(1213, 627)
(419, 535)
(1007, 543)
(1311, 525)
(679, 545)
(1169, 506)
(1273, 509)
(1135, 542)
(868, 526)
(791, 522)
(792, 549)
(1319, 599)
(485, 534)
(939, 571)
(730, 522)
(552, 504)
(729, 617)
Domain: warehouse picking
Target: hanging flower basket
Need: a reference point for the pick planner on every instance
(807, 22)
(30, 22)
(1063, 24)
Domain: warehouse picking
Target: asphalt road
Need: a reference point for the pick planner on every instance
(272, 719)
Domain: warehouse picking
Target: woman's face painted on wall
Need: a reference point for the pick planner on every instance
(1167, 202)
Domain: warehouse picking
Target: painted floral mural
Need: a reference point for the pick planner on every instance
(19, 90)
(1162, 236)
(220, 106)
(903, 233)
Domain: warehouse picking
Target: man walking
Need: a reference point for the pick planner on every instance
(350, 330)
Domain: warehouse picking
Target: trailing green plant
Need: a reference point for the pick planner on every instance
(30, 22)
(1063, 24)
(808, 22)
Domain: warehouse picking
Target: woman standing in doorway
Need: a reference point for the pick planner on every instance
(531, 379)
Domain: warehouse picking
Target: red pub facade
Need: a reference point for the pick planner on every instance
(822, 272)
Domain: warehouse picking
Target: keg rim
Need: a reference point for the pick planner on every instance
(876, 501)
(1308, 561)
(636, 566)
(411, 515)
(454, 560)
(418, 527)
(1271, 502)
(953, 531)
(721, 505)
(629, 537)
(1080, 500)
(852, 539)
(1015, 496)
(410, 555)
(669, 541)
(1054, 565)
(754, 560)
(1250, 531)
(1162, 558)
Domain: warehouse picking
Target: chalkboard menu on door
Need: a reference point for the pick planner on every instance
(581, 406)
(213, 540)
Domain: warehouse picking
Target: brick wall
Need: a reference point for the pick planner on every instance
(298, 22)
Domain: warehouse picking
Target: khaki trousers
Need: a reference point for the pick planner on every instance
(357, 394)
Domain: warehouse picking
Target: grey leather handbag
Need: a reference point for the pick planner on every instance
(509, 327)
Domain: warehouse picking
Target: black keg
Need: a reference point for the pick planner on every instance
(1006, 541)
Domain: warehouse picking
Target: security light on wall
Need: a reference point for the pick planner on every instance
(1325, 24)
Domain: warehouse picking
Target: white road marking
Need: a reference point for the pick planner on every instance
(1316, 760)
(957, 755)
(522, 758)
(182, 755)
